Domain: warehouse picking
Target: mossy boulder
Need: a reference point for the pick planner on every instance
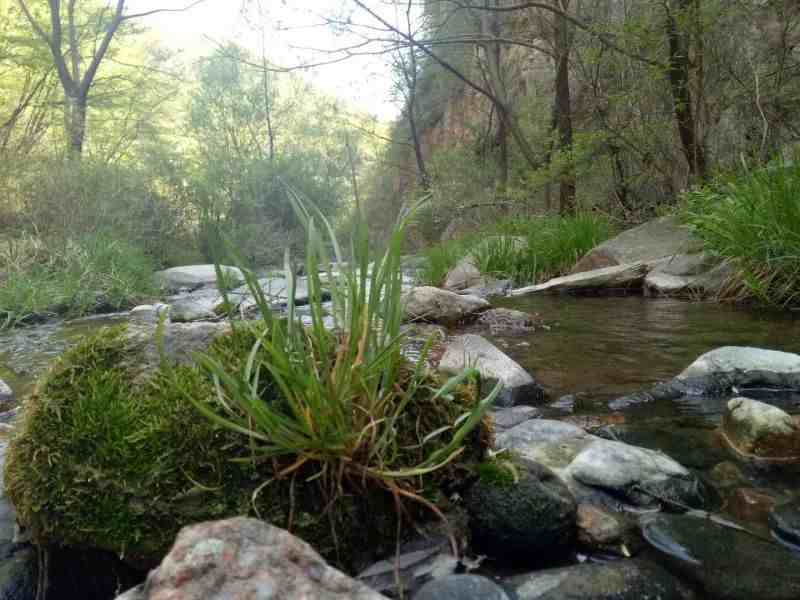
(112, 456)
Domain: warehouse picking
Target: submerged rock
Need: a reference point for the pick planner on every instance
(760, 430)
(620, 580)
(472, 350)
(621, 277)
(726, 562)
(521, 512)
(245, 558)
(462, 587)
(656, 239)
(601, 530)
(784, 521)
(192, 277)
(601, 471)
(434, 305)
(506, 320)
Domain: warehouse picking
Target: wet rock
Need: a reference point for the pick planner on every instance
(525, 515)
(462, 587)
(686, 274)
(659, 238)
(784, 521)
(760, 430)
(7, 398)
(18, 571)
(720, 370)
(599, 530)
(276, 293)
(727, 475)
(620, 580)
(246, 558)
(191, 309)
(506, 418)
(601, 471)
(506, 320)
(193, 277)
(750, 504)
(413, 568)
(489, 288)
(472, 350)
(465, 274)
(621, 277)
(726, 562)
(434, 305)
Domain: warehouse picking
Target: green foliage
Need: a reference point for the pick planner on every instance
(350, 408)
(753, 221)
(73, 277)
(526, 250)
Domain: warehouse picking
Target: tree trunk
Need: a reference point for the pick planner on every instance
(563, 111)
(679, 74)
(76, 124)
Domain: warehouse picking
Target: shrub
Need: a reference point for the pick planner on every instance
(752, 220)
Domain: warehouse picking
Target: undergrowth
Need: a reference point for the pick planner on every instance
(752, 221)
(525, 250)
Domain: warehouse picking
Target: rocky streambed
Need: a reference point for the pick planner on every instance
(644, 448)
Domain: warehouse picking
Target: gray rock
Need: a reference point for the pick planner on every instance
(600, 471)
(191, 309)
(664, 284)
(659, 238)
(413, 568)
(693, 275)
(194, 276)
(625, 276)
(465, 274)
(440, 306)
(506, 320)
(8, 516)
(148, 314)
(246, 558)
(784, 521)
(758, 429)
(489, 288)
(687, 265)
(506, 418)
(472, 350)
(6, 396)
(529, 520)
(462, 587)
(725, 561)
(736, 366)
(18, 571)
(620, 580)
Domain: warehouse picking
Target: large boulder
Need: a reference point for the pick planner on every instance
(601, 471)
(192, 277)
(245, 558)
(722, 559)
(620, 277)
(659, 238)
(435, 305)
(620, 580)
(521, 512)
(757, 429)
(472, 350)
(784, 521)
(693, 275)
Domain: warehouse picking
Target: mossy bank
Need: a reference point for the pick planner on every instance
(112, 456)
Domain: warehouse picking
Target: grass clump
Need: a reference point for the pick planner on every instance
(70, 277)
(752, 220)
(525, 250)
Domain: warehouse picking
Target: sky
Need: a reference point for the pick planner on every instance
(293, 28)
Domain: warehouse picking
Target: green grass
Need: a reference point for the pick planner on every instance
(752, 220)
(70, 277)
(525, 250)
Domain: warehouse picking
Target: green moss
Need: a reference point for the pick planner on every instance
(107, 459)
(498, 472)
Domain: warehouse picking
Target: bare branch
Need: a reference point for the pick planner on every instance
(162, 10)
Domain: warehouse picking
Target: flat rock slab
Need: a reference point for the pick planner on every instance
(656, 239)
(621, 580)
(626, 276)
(194, 276)
(600, 471)
(245, 558)
(472, 350)
(725, 562)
